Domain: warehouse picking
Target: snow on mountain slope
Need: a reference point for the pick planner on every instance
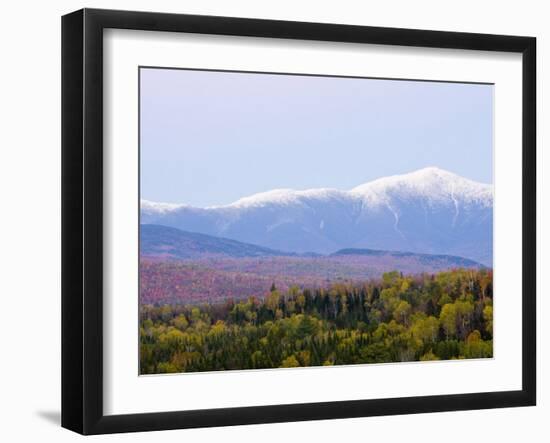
(430, 210)
(149, 207)
(432, 184)
(282, 197)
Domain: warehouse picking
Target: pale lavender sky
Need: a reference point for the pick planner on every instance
(210, 138)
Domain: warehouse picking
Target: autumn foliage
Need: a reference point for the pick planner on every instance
(397, 318)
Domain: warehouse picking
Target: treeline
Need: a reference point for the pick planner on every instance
(397, 318)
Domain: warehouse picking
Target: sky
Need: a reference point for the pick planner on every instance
(210, 138)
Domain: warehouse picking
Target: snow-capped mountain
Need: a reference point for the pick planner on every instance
(429, 211)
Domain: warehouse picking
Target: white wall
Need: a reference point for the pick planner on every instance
(30, 217)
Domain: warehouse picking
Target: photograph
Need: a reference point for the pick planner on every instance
(302, 220)
(279, 219)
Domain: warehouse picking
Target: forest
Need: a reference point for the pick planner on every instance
(396, 318)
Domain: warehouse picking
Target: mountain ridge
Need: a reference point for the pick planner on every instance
(458, 261)
(417, 179)
(166, 241)
(427, 211)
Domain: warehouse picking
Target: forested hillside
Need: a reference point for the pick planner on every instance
(397, 318)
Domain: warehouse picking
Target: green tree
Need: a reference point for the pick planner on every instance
(426, 329)
(290, 362)
(448, 317)
(402, 312)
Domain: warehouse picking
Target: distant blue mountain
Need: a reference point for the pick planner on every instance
(452, 260)
(168, 242)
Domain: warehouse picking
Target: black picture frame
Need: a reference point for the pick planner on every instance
(82, 215)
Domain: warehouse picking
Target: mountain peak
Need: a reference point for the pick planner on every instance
(430, 183)
(432, 170)
(426, 175)
(433, 173)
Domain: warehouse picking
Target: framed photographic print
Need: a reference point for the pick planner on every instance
(269, 221)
